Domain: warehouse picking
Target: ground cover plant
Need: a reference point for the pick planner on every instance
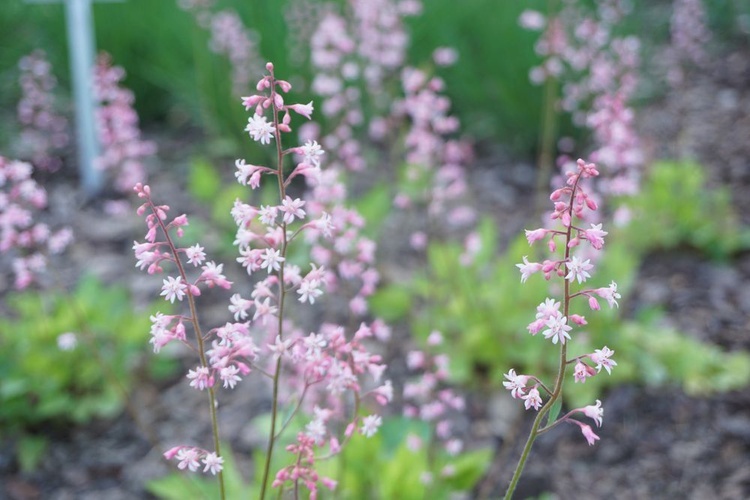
(334, 242)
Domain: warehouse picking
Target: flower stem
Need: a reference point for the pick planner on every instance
(282, 296)
(563, 363)
(201, 346)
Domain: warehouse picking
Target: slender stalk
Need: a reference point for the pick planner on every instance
(201, 345)
(282, 297)
(563, 363)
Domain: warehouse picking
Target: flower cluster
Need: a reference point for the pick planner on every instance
(432, 156)
(229, 37)
(191, 458)
(45, 131)
(309, 372)
(123, 150)
(429, 398)
(554, 319)
(26, 241)
(599, 73)
(690, 35)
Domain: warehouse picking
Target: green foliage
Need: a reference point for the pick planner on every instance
(40, 384)
(383, 466)
(489, 86)
(204, 182)
(677, 208)
(30, 450)
(483, 310)
(661, 354)
(374, 206)
(369, 468)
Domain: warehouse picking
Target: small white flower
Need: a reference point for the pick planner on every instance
(370, 425)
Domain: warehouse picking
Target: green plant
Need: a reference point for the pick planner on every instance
(387, 467)
(383, 466)
(483, 313)
(676, 208)
(40, 383)
(502, 102)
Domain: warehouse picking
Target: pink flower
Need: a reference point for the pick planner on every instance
(536, 326)
(229, 375)
(532, 399)
(594, 412)
(601, 358)
(547, 309)
(578, 319)
(292, 209)
(195, 255)
(609, 294)
(528, 268)
(200, 379)
(595, 236)
(239, 306)
(212, 275)
(245, 172)
(259, 129)
(536, 234)
(515, 384)
(188, 458)
(588, 433)
(384, 393)
(271, 260)
(445, 56)
(578, 270)
(583, 371)
(173, 288)
(311, 153)
(532, 20)
(557, 328)
(309, 290)
(302, 109)
(370, 425)
(280, 347)
(593, 303)
(213, 463)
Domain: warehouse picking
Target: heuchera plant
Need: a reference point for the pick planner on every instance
(24, 240)
(555, 318)
(321, 371)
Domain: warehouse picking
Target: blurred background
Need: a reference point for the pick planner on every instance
(447, 125)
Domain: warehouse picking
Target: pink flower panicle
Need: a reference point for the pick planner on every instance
(690, 34)
(572, 203)
(228, 37)
(26, 243)
(321, 367)
(429, 398)
(123, 150)
(599, 72)
(44, 133)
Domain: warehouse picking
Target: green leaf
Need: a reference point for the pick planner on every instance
(468, 468)
(204, 182)
(391, 302)
(554, 411)
(374, 207)
(30, 451)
